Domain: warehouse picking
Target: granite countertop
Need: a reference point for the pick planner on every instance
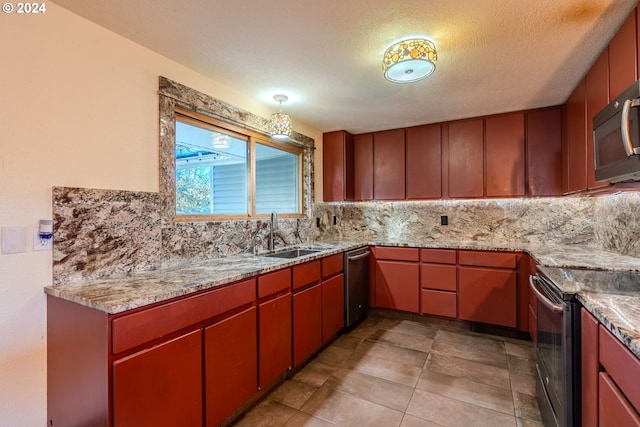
(606, 283)
(613, 297)
(117, 294)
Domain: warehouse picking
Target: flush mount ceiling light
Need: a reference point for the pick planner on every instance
(280, 125)
(409, 60)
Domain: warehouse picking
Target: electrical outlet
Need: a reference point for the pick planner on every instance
(444, 220)
(41, 245)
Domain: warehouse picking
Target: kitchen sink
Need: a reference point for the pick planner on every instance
(293, 253)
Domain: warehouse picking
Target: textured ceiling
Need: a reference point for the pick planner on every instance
(493, 55)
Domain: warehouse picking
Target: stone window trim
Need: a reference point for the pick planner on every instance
(172, 95)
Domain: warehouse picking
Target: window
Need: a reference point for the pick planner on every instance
(228, 172)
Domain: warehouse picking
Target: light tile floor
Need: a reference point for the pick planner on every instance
(401, 373)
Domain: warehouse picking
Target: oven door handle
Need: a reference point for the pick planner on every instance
(543, 299)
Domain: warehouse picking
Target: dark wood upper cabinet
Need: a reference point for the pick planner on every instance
(575, 150)
(424, 162)
(363, 166)
(466, 158)
(389, 165)
(597, 98)
(504, 155)
(337, 164)
(544, 152)
(623, 57)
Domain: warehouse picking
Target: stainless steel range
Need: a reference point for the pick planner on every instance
(558, 351)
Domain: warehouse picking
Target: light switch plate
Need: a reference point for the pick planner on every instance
(37, 243)
(14, 240)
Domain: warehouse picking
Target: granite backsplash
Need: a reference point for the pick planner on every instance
(100, 233)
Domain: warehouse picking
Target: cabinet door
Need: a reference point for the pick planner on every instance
(389, 165)
(307, 323)
(590, 367)
(231, 364)
(597, 98)
(544, 152)
(363, 166)
(504, 155)
(424, 162)
(487, 295)
(575, 162)
(622, 57)
(332, 307)
(275, 338)
(337, 166)
(160, 386)
(397, 285)
(466, 159)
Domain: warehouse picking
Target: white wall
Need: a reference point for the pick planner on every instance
(78, 107)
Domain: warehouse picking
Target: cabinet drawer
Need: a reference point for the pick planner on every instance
(146, 325)
(275, 282)
(613, 409)
(438, 303)
(487, 259)
(332, 265)
(622, 366)
(397, 254)
(436, 276)
(304, 274)
(440, 256)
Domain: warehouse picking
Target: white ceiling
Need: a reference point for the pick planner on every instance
(493, 55)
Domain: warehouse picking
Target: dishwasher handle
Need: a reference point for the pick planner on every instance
(358, 256)
(542, 298)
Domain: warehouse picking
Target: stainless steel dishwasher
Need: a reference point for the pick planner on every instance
(356, 286)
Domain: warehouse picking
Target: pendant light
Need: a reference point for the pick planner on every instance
(280, 125)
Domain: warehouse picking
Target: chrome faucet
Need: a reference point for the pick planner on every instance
(272, 227)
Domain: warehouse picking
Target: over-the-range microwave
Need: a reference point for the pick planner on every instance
(616, 138)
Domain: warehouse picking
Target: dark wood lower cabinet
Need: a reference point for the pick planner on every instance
(487, 295)
(590, 367)
(332, 307)
(397, 285)
(307, 323)
(230, 364)
(610, 376)
(160, 386)
(193, 360)
(274, 338)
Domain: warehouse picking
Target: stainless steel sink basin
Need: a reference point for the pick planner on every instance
(293, 253)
